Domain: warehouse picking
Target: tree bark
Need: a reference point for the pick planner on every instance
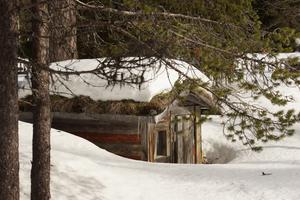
(40, 172)
(9, 141)
(63, 41)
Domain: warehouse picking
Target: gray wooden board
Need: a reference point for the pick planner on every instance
(124, 149)
(94, 123)
(179, 143)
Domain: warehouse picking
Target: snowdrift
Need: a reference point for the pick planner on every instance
(82, 171)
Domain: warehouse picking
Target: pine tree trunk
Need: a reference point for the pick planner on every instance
(9, 142)
(40, 172)
(63, 40)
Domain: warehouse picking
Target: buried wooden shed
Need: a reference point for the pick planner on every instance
(172, 136)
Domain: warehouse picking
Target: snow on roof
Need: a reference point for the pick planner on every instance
(158, 78)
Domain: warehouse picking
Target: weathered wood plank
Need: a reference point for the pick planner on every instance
(179, 145)
(185, 141)
(144, 127)
(84, 123)
(198, 137)
(151, 144)
(110, 138)
(134, 157)
(189, 142)
(96, 126)
(125, 150)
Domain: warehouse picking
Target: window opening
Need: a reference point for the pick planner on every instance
(161, 149)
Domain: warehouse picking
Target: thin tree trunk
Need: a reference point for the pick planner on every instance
(9, 141)
(40, 172)
(63, 40)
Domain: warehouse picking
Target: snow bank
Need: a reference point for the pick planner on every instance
(219, 150)
(80, 170)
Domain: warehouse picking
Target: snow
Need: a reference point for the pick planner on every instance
(278, 56)
(158, 78)
(80, 170)
(288, 92)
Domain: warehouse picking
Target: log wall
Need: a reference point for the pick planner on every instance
(124, 135)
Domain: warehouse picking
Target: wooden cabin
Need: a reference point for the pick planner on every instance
(172, 136)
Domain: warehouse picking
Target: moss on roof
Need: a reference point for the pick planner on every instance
(84, 104)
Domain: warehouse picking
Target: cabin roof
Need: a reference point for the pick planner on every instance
(158, 78)
(202, 99)
(156, 106)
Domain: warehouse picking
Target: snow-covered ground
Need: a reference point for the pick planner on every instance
(82, 171)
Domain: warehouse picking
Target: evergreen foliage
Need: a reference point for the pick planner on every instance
(276, 14)
(216, 37)
(280, 20)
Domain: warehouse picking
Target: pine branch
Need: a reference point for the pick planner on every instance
(140, 14)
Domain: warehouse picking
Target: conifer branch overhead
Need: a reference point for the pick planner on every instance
(161, 15)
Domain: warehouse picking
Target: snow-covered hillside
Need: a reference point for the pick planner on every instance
(82, 171)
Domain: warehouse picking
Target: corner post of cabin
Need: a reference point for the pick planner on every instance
(197, 135)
